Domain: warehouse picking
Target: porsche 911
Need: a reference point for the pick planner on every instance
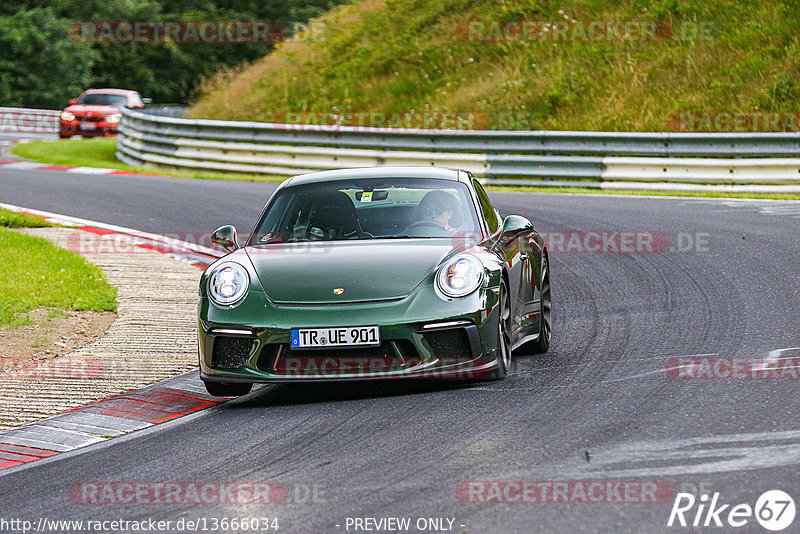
(373, 273)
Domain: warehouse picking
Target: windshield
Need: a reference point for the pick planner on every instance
(385, 208)
(102, 99)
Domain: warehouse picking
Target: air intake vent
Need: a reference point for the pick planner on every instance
(449, 343)
(266, 359)
(231, 352)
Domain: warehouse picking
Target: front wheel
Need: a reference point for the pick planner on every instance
(503, 351)
(219, 389)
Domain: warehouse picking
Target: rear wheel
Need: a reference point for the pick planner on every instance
(218, 389)
(542, 343)
(545, 312)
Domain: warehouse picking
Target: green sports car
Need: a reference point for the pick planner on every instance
(373, 273)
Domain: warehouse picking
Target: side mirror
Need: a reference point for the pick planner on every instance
(226, 237)
(513, 225)
(73, 101)
(147, 100)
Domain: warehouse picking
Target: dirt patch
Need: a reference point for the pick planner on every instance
(50, 332)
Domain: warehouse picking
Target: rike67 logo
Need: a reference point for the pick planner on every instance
(774, 510)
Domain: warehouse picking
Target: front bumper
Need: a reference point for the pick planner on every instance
(459, 346)
(101, 128)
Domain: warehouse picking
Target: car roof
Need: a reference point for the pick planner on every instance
(124, 92)
(441, 173)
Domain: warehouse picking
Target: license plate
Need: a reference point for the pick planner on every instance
(88, 126)
(350, 336)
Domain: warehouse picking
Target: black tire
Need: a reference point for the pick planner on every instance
(542, 343)
(503, 350)
(219, 389)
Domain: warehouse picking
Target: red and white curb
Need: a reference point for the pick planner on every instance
(120, 414)
(33, 166)
(191, 253)
(105, 419)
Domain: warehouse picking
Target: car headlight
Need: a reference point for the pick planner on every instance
(116, 117)
(67, 116)
(228, 284)
(460, 276)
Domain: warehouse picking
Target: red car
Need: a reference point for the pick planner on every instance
(96, 112)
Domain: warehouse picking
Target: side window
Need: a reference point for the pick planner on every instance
(486, 207)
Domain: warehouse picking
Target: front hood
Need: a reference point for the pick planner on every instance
(364, 270)
(96, 111)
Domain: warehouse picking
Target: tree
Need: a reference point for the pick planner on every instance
(39, 65)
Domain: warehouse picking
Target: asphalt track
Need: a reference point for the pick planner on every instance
(599, 407)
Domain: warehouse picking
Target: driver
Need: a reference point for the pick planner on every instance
(437, 206)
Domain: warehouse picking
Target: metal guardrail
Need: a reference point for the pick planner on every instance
(164, 110)
(28, 121)
(283, 149)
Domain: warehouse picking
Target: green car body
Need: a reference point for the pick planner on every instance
(389, 283)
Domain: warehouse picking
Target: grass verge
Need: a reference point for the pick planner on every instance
(101, 152)
(35, 273)
(388, 58)
(12, 219)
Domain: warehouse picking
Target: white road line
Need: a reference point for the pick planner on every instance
(29, 165)
(703, 454)
(89, 170)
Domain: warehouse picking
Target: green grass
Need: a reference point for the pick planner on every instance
(73, 153)
(12, 219)
(35, 273)
(101, 152)
(401, 55)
